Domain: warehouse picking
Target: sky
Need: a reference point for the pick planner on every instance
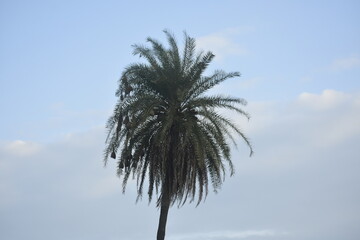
(60, 62)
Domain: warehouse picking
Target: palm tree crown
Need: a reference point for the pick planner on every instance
(164, 127)
(167, 130)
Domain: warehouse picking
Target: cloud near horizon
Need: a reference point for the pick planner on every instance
(301, 179)
(228, 235)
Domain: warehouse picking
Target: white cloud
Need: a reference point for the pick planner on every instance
(326, 100)
(21, 148)
(309, 123)
(222, 44)
(227, 235)
(345, 63)
(333, 117)
(328, 117)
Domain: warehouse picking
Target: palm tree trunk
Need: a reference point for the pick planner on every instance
(165, 205)
(165, 191)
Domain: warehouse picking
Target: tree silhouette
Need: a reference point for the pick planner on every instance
(166, 131)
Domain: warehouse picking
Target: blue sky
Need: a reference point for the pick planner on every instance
(300, 65)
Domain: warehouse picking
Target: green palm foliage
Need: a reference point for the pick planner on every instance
(165, 130)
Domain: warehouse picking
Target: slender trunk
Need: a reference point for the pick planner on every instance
(166, 192)
(165, 205)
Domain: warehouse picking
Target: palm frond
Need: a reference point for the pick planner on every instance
(165, 130)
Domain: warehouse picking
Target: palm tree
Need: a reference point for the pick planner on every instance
(166, 131)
